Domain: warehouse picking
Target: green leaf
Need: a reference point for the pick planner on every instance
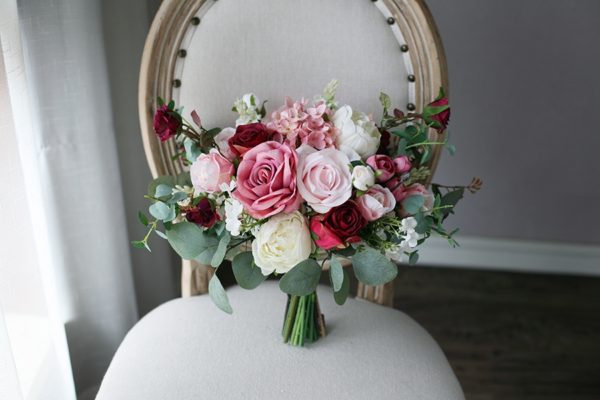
(162, 211)
(143, 219)
(160, 234)
(451, 199)
(178, 196)
(425, 155)
(219, 255)
(213, 132)
(401, 149)
(412, 204)
(163, 190)
(182, 179)
(373, 268)
(211, 244)
(423, 223)
(165, 179)
(246, 273)
(138, 244)
(336, 271)
(187, 240)
(341, 295)
(192, 150)
(413, 258)
(385, 101)
(302, 279)
(218, 295)
(346, 252)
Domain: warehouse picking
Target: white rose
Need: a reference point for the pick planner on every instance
(357, 131)
(363, 177)
(222, 142)
(281, 243)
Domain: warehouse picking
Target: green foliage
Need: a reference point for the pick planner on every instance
(246, 273)
(302, 279)
(192, 150)
(162, 211)
(413, 258)
(372, 267)
(336, 272)
(221, 249)
(189, 241)
(341, 295)
(218, 295)
(165, 179)
(386, 102)
(143, 219)
(412, 204)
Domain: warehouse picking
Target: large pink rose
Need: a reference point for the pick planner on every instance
(266, 180)
(324, 178)
(376, 202)
(209, 171)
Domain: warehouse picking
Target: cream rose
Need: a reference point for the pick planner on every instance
(324, 178)
(357, 131)
(363, 177)
(281, 243)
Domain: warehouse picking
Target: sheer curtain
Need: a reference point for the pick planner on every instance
(66, 285)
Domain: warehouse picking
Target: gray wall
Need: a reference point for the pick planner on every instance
(525, 96)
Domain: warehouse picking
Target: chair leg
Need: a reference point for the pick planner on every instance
(195, 278)
(382, 294)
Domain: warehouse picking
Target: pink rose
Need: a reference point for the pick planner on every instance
(383, 166)
(324, 178)
(209, 171)
(222, 142)
(402, 164)
(266, 180)
(397, 188)
(418, 189)
(376, 202)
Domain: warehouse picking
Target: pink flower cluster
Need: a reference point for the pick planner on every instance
(303, 124)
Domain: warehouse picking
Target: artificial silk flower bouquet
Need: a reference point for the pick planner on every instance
(311, 186)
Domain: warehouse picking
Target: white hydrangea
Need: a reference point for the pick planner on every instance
(233, 210)
(410, 240)
(248, 108)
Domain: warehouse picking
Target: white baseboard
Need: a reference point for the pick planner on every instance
(512, 255)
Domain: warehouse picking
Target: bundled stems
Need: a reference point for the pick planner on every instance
(303, 322)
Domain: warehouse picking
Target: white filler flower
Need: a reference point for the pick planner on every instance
(233, 210)
(281, 243)
(248, 108)
(357, 131)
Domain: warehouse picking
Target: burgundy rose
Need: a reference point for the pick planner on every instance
(203, 214)
(384, 142)
(166, 122)
(437, 113)
(338, 227)
(383, 166)
(251, 135)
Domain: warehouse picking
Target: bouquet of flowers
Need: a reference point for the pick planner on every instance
(310, 187)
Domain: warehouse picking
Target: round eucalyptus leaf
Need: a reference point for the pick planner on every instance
(246, 273)
(302, 279)
(373, 268)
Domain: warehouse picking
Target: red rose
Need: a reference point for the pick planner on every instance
(251, 135)
(338, 227)
(203, 214)
(437, 113)
(383, 166)
(166, 122)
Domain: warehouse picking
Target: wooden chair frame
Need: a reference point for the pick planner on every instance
(164, 44)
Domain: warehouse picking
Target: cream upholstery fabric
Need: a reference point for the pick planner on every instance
(188, 349)
(276, 48)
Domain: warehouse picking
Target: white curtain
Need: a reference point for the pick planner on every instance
(66, 276)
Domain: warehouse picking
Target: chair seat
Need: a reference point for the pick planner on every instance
(188, 349)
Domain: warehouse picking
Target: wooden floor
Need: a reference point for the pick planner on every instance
(510, 336)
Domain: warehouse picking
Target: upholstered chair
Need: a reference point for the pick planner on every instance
(203, 54)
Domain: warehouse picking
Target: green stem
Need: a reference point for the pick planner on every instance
(289, 318)
(423, 143)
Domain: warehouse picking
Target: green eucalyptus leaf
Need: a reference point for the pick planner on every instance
(373, 268)
(187, 240)
(302, 279)
(341, 295)
(412, 204)
(385, 101)
(192, 150)
(165, 179)
(336, 271)
(211, 244)
(246, 273)
(413, 258)
(218, 295)
(219, 254)
(401, 149)
(162, 211)
(138, 244)
(143, 219)
(163, 190)
(177, 196)
(213, 132)
(161, 234)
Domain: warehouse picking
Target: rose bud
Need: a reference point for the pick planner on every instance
(397, 188)
(166, 122)
(251, 135)
(398, 113)
(383, 166)
(437, 113)
(402, 164)
(339, 227)
(203, 214)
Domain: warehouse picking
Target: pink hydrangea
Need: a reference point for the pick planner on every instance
(303, 124)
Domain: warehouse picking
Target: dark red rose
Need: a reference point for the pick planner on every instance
(437, 113)
(384, 142)
(251, 135)
(203, 214)
(166, 122)
(383, 166)
(338, 227)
